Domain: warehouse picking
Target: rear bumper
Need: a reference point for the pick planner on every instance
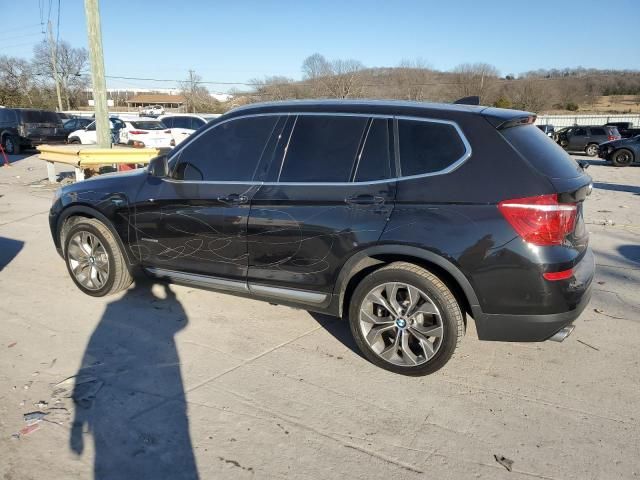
(540, 327)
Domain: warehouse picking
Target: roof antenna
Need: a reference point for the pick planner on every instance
(472, 100)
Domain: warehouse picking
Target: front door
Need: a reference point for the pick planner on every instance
(196, 220)
(330, 195)
(578, 139)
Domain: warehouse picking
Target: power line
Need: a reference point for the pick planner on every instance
(21, 36)
(58, 27)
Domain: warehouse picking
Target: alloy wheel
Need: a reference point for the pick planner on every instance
(401, 324)
(592, 150)
(88, 260)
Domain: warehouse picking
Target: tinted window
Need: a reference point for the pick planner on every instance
(322, 149)
(168, 121)
(39, 116)
(598, 131)
(427, 147)
(92, 126)
(196, 123)
(182, 122)
(542, 152)
(373, 163)
(228, 152)
(148, 125)
(580, 132)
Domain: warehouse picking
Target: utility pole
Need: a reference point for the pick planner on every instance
(54, 64)
(103, 129)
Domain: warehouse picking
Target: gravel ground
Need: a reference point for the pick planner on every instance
(182, 383)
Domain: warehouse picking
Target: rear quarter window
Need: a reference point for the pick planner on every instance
(428, 147)
(542, 152)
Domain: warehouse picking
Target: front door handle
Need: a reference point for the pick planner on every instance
(365, 200)
(234, 199)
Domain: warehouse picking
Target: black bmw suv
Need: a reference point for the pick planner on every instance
(404, 218)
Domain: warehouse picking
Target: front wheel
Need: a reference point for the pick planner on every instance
(94, 260)
(622, 158)
(405, 319)
(591, 150)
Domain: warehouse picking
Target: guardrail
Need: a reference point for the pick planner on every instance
(87, 156)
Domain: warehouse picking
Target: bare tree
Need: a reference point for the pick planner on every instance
(16, 81)
(412, 79)
(344, 81)
(197, 97)
(71, 62)
(276, 88)
(529, 94)
(475, 79)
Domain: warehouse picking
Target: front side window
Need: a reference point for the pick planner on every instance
(428, 147)
(598, 131)
(227, 152)
(168, 121)
(322, 148)
(580, 132)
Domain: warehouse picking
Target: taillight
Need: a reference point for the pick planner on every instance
(555, 276)
(612, 137)
(540, 220)
(137, 132)
(167, 131)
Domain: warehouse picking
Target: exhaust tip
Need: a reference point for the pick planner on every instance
(563, 333)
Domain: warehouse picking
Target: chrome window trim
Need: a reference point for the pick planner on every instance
(452, 167)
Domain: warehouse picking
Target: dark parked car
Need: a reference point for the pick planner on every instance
(625, 129)
(621, 152)
(548, 130)
(586, 138)
(76, 124)
(403, 217)
(26, 128)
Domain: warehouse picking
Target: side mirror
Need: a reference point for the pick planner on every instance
(159, 167)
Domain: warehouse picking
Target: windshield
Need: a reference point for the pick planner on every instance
(148, 125)
(39, 116)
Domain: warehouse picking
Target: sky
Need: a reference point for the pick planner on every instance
(236, 41)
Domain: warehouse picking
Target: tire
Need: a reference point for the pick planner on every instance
(74, 141)
(11, 145)
(591, 150)
(563, 142)
(622, 158)
(78, 249)
(376, 329)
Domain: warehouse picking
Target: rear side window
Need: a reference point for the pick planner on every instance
(168, 121)
(373, 162)
(148, 125)
(228, 152)
(322, 148)
(39, 116)
(598, 131)
(428, 147)
(542, 152)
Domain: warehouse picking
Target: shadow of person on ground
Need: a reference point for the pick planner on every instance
(9, 248)
(130, 366)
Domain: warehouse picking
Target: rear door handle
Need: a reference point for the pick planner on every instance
(365, 200)
(234, 199)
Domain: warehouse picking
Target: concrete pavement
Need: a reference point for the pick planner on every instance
(185, 383)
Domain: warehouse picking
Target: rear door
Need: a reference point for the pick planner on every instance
(330, 193)
(578, 139)
(196, 220)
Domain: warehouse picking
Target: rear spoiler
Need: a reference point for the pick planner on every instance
(502, 118)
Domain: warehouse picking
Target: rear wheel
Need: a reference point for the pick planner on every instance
(405, 319)
(74, 140)
(622, 158)
(592, 150)
(94, 259)
(11, 145)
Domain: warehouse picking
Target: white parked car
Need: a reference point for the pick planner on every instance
(183, 125)
(88, 136)
(152, 110)
(146, 133)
